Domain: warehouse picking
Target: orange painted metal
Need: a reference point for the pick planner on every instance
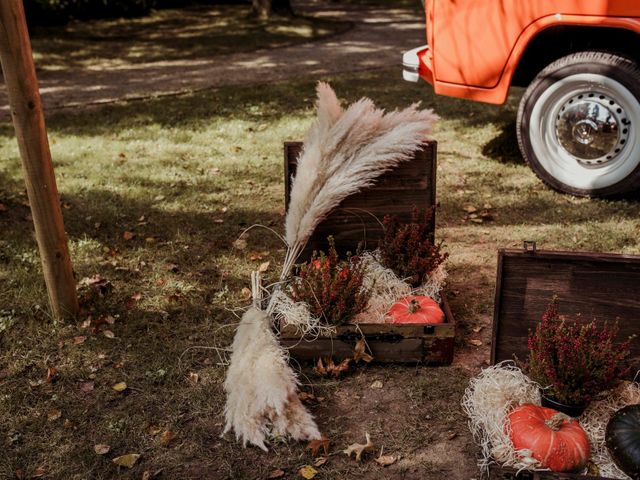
(475, 45)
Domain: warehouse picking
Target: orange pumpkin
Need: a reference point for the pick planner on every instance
(416, 309)
(556, 440)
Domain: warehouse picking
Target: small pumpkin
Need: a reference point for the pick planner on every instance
(556, 440)
(623, 440)
(416, 309)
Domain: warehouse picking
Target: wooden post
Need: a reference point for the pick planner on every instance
(28, 120)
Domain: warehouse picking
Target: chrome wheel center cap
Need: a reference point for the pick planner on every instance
(584, 131)
(593, 128)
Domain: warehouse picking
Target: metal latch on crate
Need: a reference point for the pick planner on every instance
(353, 337)
(530, 246)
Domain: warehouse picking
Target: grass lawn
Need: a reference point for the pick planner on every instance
(154, 193)
(171, 35)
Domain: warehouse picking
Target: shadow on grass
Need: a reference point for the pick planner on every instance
(504, 147)
(267, 102)
(172, 35)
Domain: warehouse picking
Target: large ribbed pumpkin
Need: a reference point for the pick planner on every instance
(556, 440)
(623, 440)
(416, 309)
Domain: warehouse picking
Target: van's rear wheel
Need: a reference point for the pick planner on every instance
(579, 124)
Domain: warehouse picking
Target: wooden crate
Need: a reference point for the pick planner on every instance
(597, 286)
(358, 220)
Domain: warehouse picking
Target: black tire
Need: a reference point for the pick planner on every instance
(553, 126)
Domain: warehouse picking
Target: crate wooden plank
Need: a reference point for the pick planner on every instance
(389, 343)
(409, 350)
(603, 287)
(357, 220)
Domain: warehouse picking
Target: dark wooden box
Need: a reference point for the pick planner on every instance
(603, 287)
(357, 220)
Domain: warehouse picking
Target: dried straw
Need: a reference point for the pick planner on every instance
(594, 421)
(286, 311)
(488, 400)
(387, 288)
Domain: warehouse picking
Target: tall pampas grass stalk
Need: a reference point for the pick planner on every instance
(345, 152)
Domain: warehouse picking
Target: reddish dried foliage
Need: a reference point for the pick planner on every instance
(575, 360)
(407, 249)
(332, 288)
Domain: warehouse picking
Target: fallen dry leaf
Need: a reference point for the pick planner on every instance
(376, 385)
(253, 256)
(308, 472)
(276, 474)
(109, 334)
(386, 460)
(38, 473)
(337, 370)
(68, 424)
(101, 449)
(359, 352)
(146, 475)
(153, 430)
(330, 368)
(87, 387)
(54, 415)
(20, 474)
(240, 244)
(470, 209)
(316, 445)
(477, 343)
(128, 460)
(359, 449)
(319, 368)
(119, 387)
(452, 435)
(51, 373)
(309, 398)
(127, 235)
(478, 328)
(173, 267)
(79, 339)
(320, 461)
(245, 293)
(194, 377)
(264, 266)
(101, 285)
(167, 437)
(136, 297)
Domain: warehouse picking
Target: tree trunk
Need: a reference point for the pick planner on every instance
(264, 8)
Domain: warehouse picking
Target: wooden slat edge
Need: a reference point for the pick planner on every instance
(496, 305)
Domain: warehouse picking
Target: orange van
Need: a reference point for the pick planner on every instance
(578, 123)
